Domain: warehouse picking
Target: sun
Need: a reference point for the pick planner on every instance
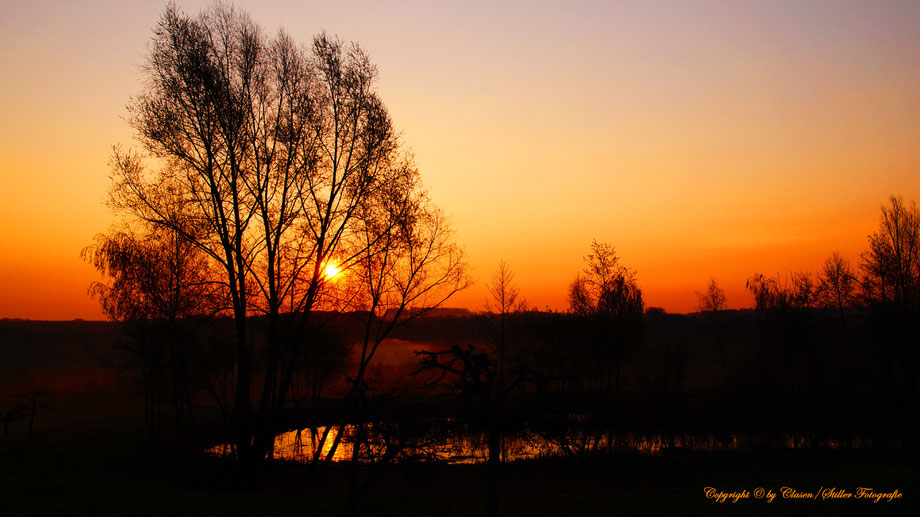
(332, 270)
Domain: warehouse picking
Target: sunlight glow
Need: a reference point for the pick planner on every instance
(332, 271)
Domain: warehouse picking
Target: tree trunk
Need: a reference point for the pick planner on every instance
(494, 472)
(353, 494)
(31, 418)
(242, 405)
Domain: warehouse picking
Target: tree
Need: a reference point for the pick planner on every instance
(837, 285)
(608, 297)
(891, 287)
(837, 290)
(409, 265)
(12, 414)
(31, 403)
(504, 309)
(157, 282)
(474, 376)
(279, 158)
(712, 303)
(504, 295)
(504, 302)
(785, 310)
(324, 358)
(892, 263)
(767, 292)
(713, 300)
(803, 290)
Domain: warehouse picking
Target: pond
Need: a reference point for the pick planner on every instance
(448, 444)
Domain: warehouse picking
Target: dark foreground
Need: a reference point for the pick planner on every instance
(102, 469)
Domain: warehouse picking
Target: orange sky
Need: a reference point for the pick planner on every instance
(702, 139)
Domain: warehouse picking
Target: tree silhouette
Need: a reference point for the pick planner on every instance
(837, 285)
(713, 300)
(504, 309)
(892, 263)
(711, 304)
(891, 287)
(608, 297)
(279, 158)
(785, 313)
(408, 266)
(472, 374)
(156, 281)
(14, 413)
(31, 403)
(837, 290)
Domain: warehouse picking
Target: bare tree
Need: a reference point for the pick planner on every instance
(14, 413)
(504, 294)
(803, 291)
(712, 303)
(767, 292)
(713, 300)
(837, 290)
(786, 311)
(504, 310)
(892, 263)
(31, 403)
(837, 284)
(504, 304)
(409, 266)
(472, 374)
(608, 296)
(891, 287)
(155, 282)
(274, 152)
(323, 360)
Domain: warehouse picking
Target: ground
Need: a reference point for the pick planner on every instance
(102, 468)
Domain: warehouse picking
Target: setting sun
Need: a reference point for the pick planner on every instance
(332, 271)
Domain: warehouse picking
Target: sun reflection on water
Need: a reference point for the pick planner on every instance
(307, 444)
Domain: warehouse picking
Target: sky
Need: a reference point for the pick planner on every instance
(701, 139)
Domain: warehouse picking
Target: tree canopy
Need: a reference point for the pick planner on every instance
(272, 164)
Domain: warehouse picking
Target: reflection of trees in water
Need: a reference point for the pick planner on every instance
(302, 445)
(442, 442)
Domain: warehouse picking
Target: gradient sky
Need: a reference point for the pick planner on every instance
(702, 139)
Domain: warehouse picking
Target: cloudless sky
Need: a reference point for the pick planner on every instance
(702, 139)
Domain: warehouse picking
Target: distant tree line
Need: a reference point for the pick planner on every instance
(813, 356)
(879, 300)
